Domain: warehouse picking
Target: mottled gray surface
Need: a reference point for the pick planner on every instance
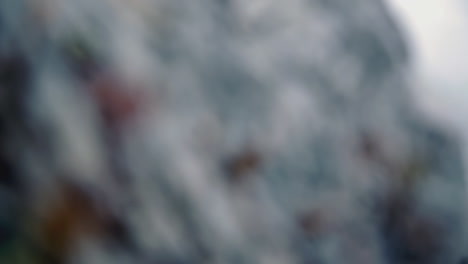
(264, 131)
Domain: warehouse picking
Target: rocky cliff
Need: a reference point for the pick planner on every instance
(218, 131)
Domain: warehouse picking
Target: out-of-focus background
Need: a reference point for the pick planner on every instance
(233, 132)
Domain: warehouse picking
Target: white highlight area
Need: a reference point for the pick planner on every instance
(437, 33)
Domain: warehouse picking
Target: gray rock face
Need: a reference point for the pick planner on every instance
(209, 131)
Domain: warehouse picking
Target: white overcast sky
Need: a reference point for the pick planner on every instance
(437, 32)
